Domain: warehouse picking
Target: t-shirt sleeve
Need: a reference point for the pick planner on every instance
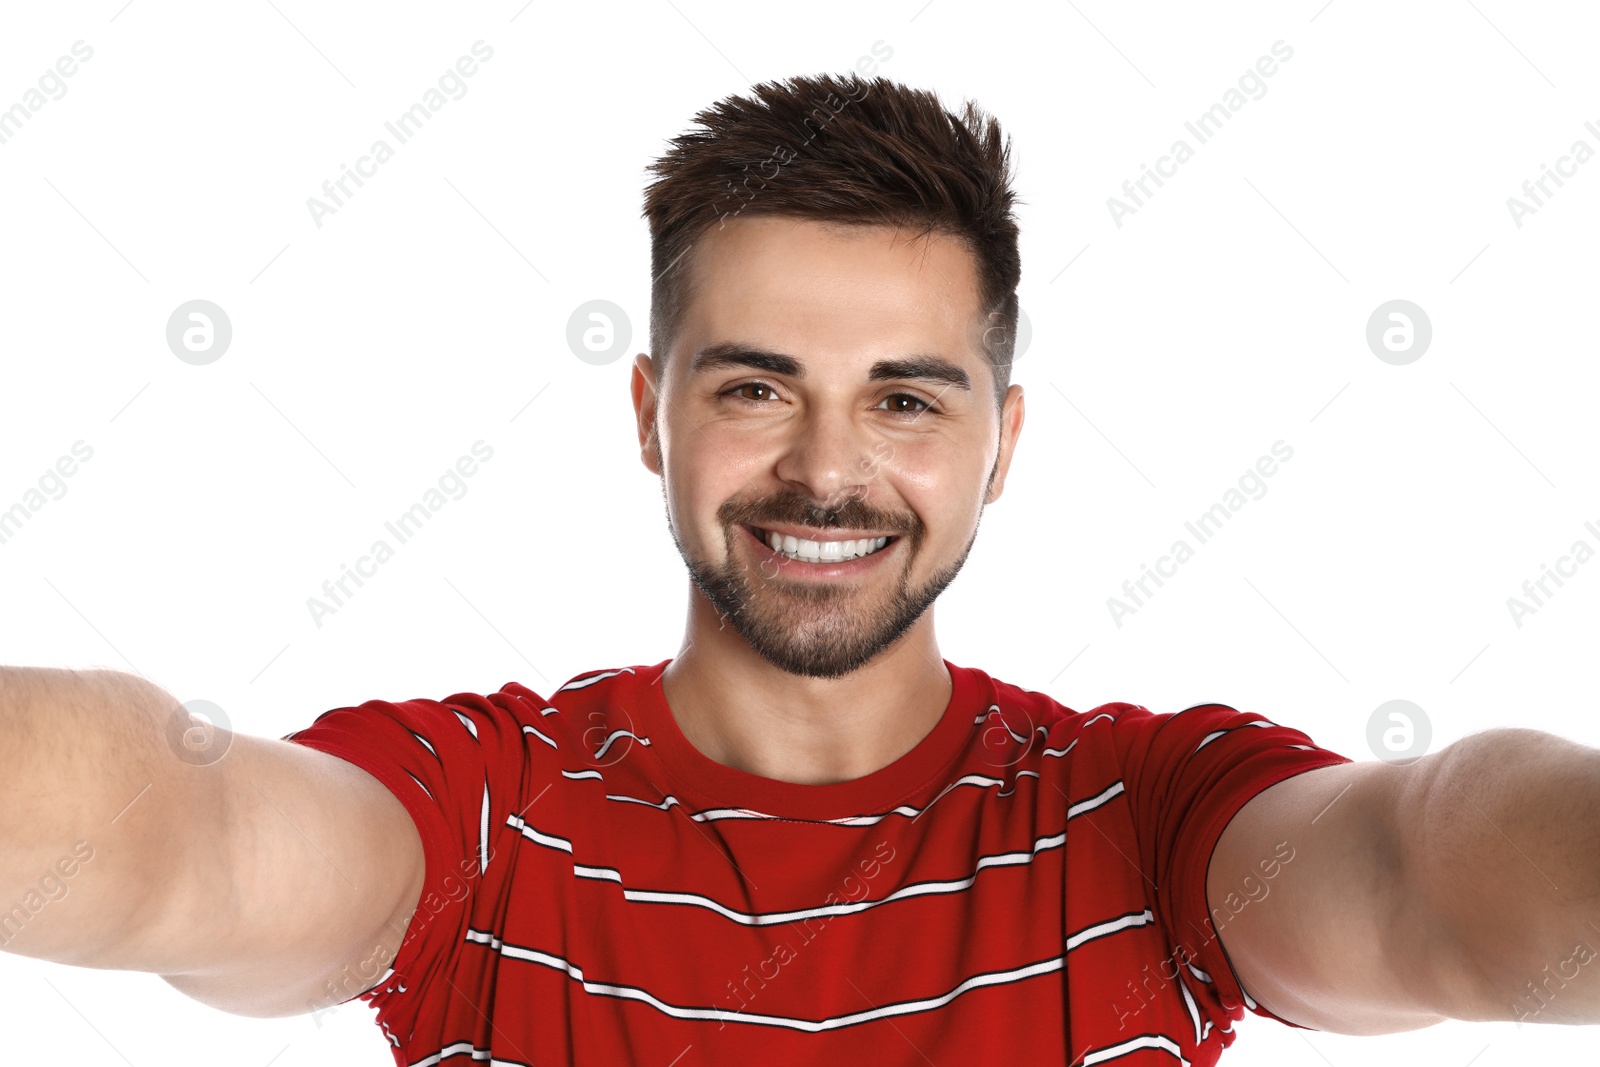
(1187, 775)
(449, 763)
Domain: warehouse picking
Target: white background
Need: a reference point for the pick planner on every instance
(430, 311)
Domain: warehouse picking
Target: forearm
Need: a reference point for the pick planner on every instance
(88, 789)
(1505, 862)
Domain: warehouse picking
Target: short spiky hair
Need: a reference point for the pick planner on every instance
(844, 150)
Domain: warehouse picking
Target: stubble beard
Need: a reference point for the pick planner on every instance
(816, 629)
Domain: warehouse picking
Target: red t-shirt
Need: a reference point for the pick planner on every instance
(1027, 884)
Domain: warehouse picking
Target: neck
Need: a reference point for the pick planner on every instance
(741, 711)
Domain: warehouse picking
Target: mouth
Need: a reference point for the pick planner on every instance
(806, 550)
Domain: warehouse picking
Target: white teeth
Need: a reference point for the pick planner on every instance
(823, 551)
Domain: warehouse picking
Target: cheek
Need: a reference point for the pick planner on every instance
(941, 462)
(702, 473)
(921, 465)
(940, 481)
(717, 451)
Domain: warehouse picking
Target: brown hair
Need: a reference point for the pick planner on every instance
(845, 150)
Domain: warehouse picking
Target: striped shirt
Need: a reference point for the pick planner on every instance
(1027, 884)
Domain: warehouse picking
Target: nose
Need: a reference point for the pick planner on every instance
(826, 455)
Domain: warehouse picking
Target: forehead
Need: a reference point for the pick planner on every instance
(814, 288)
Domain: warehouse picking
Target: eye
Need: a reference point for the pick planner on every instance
(905, 404)
(752, 392)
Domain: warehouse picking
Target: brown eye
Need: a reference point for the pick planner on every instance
(754, 391)
(905, 404)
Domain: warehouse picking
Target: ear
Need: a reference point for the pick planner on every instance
(642, 384)
(1011, 413)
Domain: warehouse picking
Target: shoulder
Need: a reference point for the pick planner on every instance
(1024, 728)
(1128, 733)
(586, 713)
(1038, 711)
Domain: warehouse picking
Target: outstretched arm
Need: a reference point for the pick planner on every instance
(273, 880)
(1464, 885)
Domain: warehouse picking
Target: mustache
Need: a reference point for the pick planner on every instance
(795, 508)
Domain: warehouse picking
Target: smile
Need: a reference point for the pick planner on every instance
(809, 551)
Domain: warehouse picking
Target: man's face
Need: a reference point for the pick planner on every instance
(827, 433)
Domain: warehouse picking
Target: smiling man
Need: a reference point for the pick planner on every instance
(827, 433)
(809, 838)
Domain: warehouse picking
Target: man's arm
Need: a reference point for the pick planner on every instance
(1464, 885)
(272, 881)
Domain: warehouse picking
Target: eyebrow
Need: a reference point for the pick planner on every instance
(733, 354)
(926, 368)
(920, 367)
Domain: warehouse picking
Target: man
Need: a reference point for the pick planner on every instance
(808, 838)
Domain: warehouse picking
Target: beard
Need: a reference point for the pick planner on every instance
(815, 629)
